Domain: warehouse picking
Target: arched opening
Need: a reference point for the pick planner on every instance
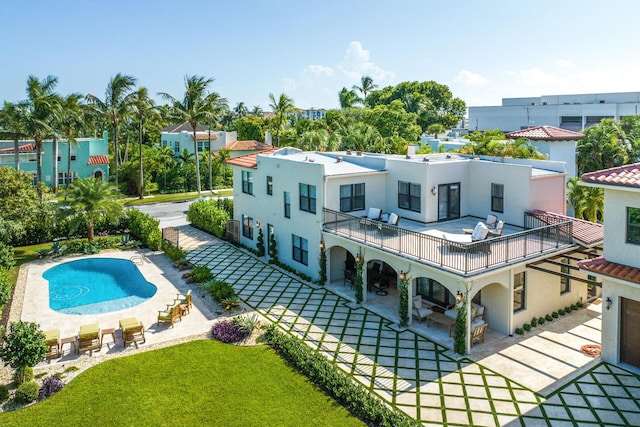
(435, 293)
(98, 174)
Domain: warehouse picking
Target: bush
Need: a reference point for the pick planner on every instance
(145, 228)
(554, 314)
(5, 288)
(174, 253)
(7, 257)
(221, 290)
(519, 331)
(229, 332)
(27, 392)
(209, 216)
(526, 327)
(248, 322)
(336, 383)
(50, 385)
(201, 274)
(534, 322)
(230, 303)
(567, 309)
(541, 320)
(4, 393)
(561, 312)
(574, 307)
(579, 304)
(25, 375)
(549, 317)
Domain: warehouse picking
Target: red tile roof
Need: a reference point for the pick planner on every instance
(247, 145)
(204, 136)
(625, 176)
(26, 148)
(607, 268)
(98, 160)
(585, 233)
(546, 133)
(249, 160)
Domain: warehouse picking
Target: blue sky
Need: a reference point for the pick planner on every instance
(483, 50)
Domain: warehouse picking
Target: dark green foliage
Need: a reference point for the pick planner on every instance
(144, 227)
(334, 382)
(541, 320)
(579, 304)
(460, 331)
(322, 267)
(221, 290)
(561, 312)
(519, 331)
(574, 307)
(554, 314)
(27, 392)
(4, 393)
(201, 274)
(534, 322)
(260, 244)
(21, 376)
(358, 282)
(526, 327)
(403, 310)
(273, 247)
(7, 258)
(5, 288)
(210, 215)
(549, 318)
(24, 346)
(173, 252)
(568, 309)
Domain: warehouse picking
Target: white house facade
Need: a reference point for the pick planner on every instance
(571, 112)
(312, 201)
(619, 268)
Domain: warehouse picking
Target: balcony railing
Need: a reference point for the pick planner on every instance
(462, 258)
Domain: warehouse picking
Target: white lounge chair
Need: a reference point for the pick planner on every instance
(491, 221)
(498, 230)
(374, 214)
(480, 232)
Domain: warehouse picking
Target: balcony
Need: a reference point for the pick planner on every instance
(541, 235)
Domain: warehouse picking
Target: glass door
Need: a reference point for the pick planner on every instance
(448, 201)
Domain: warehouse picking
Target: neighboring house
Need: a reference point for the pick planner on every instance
(555, 143)
(571, 112)
(179, 137)
(313, 114)
(312, 199)
(89, 157)
(619, 267)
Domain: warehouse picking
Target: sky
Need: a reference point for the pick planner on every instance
(482, 50)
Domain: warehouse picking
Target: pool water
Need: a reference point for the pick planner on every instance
(96, 285)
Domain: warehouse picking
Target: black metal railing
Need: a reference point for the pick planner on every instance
(462, 258)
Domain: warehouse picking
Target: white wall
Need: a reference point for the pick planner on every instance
(548, 193)
(615, 218)
(611, 318)
(374, 198)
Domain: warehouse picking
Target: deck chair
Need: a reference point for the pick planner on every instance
(391, 219)
(420, 312)
(52, 336)
(491, 221)
(497, 232)
(477, 335)
(374, 214)
(170, 315)
(89, 338)
(185, 302)
(132, 331)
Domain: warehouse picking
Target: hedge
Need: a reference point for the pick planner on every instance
(209, 215)
(145, 228)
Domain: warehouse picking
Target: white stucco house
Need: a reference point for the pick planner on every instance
(619, 267)
(180, 137)
(314, 200)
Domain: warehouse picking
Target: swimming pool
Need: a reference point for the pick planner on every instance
(96, 285)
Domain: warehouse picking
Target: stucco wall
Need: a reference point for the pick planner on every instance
(548, 193)
(615, 218)
(611, 318)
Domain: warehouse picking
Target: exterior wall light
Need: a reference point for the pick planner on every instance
(608, 303)
(403, 275)
(459, 297)
(258, 224)
(433, 190)
(321, 244)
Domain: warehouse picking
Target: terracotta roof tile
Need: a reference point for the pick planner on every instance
(26, 148)
(249, 160)
(546, 133)
(204, 136)
(247, 145)
(585, 233)
(98, 160)
(607, 268)
(625, 176)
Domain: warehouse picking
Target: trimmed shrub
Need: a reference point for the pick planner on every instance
(20, 376)
(5, 287)
(4, 393)
(27, 392)
(549, 318)
(228, 332)
(145, 228)
(541, 320)
(174, 253)
(210, 215)
(579, 304)
(50, 385)
(567, 309)
(221, 290)
(561, 312)
(554, 314)
(201, 274)
(534, 322)
(574, 307)
(526, 327)
(519, 331)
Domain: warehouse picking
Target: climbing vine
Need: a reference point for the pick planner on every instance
(322, 273)
(260, 244)
(358, 281)
(403, 310)
(460, 333)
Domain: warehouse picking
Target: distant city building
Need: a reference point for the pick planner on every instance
(89, 158)
(571, 112)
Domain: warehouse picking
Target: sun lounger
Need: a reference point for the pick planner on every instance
(498, 230)
(52, 336)
(89, 338)
(132, 331)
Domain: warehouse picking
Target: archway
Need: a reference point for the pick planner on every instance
(98, 174)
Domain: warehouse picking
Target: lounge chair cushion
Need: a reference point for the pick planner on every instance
(393, 219)
(491, 221)
(479, 232)
(374, 213)
(384, 217)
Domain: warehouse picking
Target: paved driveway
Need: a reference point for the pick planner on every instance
(415, 374)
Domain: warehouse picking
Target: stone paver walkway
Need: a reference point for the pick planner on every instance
(411, 372)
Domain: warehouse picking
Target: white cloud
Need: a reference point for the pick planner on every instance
(318, 71)
(356, 63)
(563, 63)
(471, 79)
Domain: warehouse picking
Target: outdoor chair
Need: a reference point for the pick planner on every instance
(477, 335)
(497, 232)
(491, 221)
(373, 216)
(170, 315)
(349, 277)
(132, 331)
(89, 338)
(52, 336)
(184, 301)
(420, 312)
(479, 233)
(392, 219)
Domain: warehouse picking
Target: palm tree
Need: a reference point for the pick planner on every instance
(587, 202)
(256, 111)
(12, 126)
(165, 155)
(143, 107)
(93, 200)
(116, 105)
(240, 110)
(366, 86)
(282, 107)
(197, 106)
(184, 158)
(348, 98)
(70, 119)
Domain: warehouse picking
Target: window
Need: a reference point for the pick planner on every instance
(300, 248)
(448, 201)
(633, 226)
(351, 197)
(247, 226)
(409, 196)
(203, 146)
(74, 152)
(519, 285)
(308, 198)
(435, 292)
(565, 282)
(247, 182)
(62, 177)
(270, 185)
(287, 204)
(176, 147)
(497, 198)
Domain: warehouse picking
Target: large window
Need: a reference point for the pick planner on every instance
(434, 292)
(287, 204)
(62, 177)
(270, 185)
(247, 226)
(351, 197)
(308, 198)
(633, 226)
(497, 198)
(247, 182)
(519, 287)
(565, 282)
(409, 196)
(300, 248)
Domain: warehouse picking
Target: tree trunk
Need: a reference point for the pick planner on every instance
(66, 184)
(195, 151)
(141, 170)
(39, 168)
(115, 149)
(54, 149)
(90, 230)
(16, 153)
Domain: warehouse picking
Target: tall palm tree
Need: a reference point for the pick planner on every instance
(282, 107)
(12, 126)
(69, 121)
(256, 111)
(93, 200)
(240, 110)
(587, 202)
(184, 159)
(165, 155)
(348, 98)
(143, 107)
(116, 105)
(366, 87)
(40, 108)
(198, 105)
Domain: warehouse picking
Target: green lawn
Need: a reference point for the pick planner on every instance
(25, 254)
(198, 383)
(177, 197)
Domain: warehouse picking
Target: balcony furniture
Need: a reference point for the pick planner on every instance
(477, 313)
(374, 214)
(497, 232)
(392, 220)
(442, 320)
(420, 312)
(477, 334)
(89, 338)
(491, 221)
(467, 230)
(349, 277)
